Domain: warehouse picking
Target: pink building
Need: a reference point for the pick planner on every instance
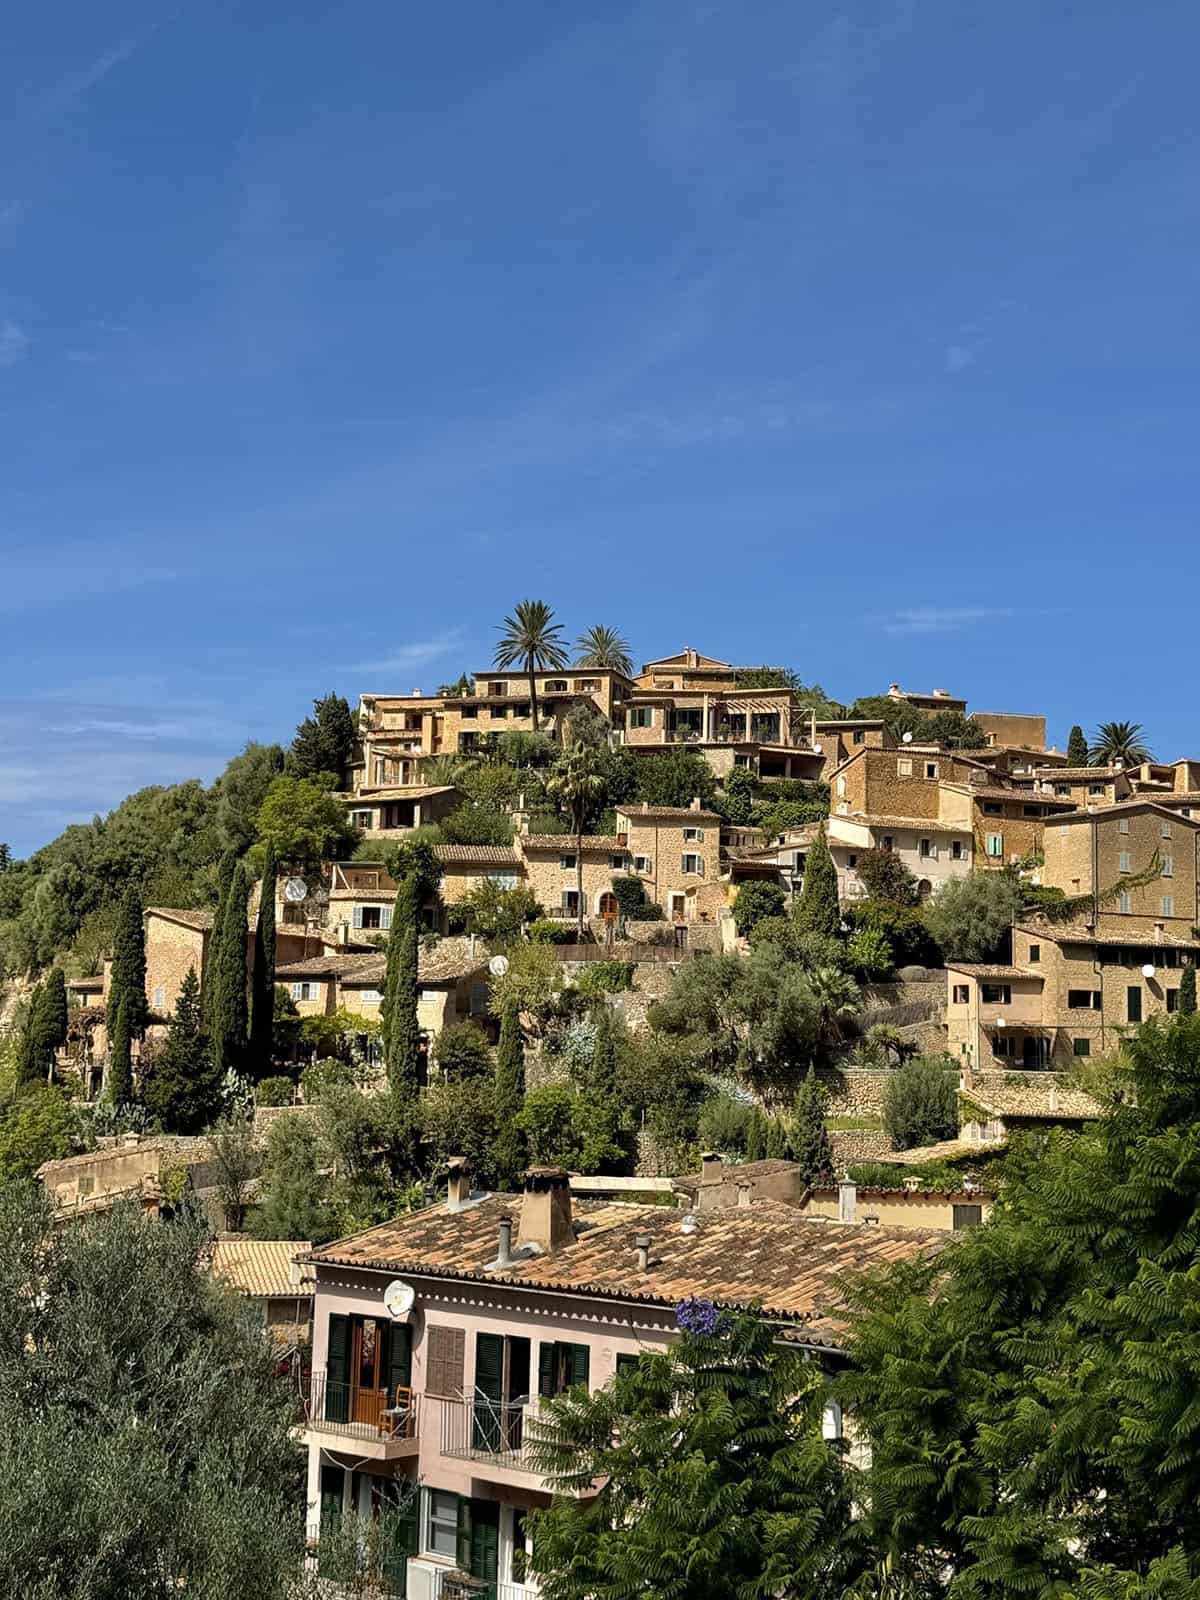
(438, 1335)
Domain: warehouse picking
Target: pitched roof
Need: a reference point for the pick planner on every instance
(483, 855)
(400, 791)
(763, 1252)
(1080, 933)
(984, 969)
(1040, 1095)
(651, 813)
(201, 920)
(261, 1268)
(605, 842)
(1120, 807)
(681, 659)
(874, 820)
(449, 960)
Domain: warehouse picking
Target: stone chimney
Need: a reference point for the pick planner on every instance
(458, 1183)
(504, 1255)
(546, 1210)
(847, 1201)
(695, 802)
(711, 1167)
(642, 1245)
(744, 1191)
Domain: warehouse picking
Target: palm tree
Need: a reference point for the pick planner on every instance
(445, 769)
(531, 638)
(836, 997)
(603, 648)
(1118, 744)
(576, 782)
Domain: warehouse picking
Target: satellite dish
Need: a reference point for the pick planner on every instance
(816, 749)
(295, 889)
(906, 738)
(498, 966)
(1148, 970)
(399, 1298)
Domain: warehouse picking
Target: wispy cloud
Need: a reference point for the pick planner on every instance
(948, 619)
(14, 344)
(122, 728)
(958, 357)
(411, 655)
(77, 84)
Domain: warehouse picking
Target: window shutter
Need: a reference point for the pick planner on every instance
(445, 1360)
(489, 1365)
(358, 910)
(700, 865)
(463, 1556)
(396, 1364)
(485, 1540)
(578, 1364)
(546, 1365)
(385, 917)
(337, 1370)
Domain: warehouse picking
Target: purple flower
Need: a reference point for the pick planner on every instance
(696, 1316)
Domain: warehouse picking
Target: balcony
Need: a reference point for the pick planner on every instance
(487, 1590)
(487, 1431)
(383, 1425)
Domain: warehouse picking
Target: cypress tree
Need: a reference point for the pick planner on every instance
(228, 1011)
(27, 1045)
(128, 979)
(208, 985)
(182, 1088)
(1077, 748)
(401, 1031)
(119, 1086)
(755, 1135)
(262, 1013)
(1187, 991)
(509, 1155)
(775, 1142)
(809, 1137)
(817, 910)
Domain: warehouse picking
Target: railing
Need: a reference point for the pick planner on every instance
(487, 1430)
(356, 1413)
(349, 1550)
(490, 1591)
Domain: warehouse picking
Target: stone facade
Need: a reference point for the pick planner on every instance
(1090, 854)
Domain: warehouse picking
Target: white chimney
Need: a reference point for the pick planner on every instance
(458, 1183)
(847, 1200)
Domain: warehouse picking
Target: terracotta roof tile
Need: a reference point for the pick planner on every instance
(449, 960)
(1041, 1095)
(484, 855)
(983, 969)
(261, 1267)
(684, 814)
(603, 843)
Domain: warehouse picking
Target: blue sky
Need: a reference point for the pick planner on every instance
(859, 337)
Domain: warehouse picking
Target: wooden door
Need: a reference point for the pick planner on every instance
(367, 1398)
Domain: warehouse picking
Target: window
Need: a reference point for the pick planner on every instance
(995, 845)
(841, 788)
(362, 819)
(1095, 788)
(1031, 811)
(587, 685)
(966, 1216)
(1172, 999)
(555, 686)
(304, 991)
(831, 1422)
(641, 717)
(1083, 999)
(996, 994)
(962, 994)
(693, 835)
(445, 1356)
(927, 850)
(693, 864)
(503, 880)
(567, 863)
(443, 1522)
(1123, 901)
(956, 850)
(570, 902)
(887, 841)
(1062, 788)
(368, 917)
(642, 864)
(427, 997)
(160, 998)
(1125, 861)
(469, 711)
(904, 767)
(370, 997)
(479, 999)
(993, 808)
(499, 712)
(931, 769)
(1165, 830)
(616, 863)
(1123, 825)
(1168, 905)
(1035, 952)
(1168, 866)
(1081, 1047)
(561, 1367)
(1133, 1002)
(497, 688)
(852, 859)
(1003, 1044)
(858, 736)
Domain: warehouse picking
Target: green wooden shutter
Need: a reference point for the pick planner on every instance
(464, 1534)
(337, 1370)
(333, 1481)
(578, 1365)
(485, 1541)
(489, 1381)
(398, 1359)
(546, 1366)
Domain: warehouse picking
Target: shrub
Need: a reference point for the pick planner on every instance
(648, 912)
(971, 918)
(544, 930)
(869, 953)
(903, 927)
(779, 931)
(755, 901)
(461, 1051)
(605, 977)
(474, 823)
(321, 1074)
(629, 893)
(276, 1091)
(499, 914)
(724, 1125)
(886, 877)
(920, 1102)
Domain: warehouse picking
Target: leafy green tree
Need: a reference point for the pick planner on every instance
(533, 984)
(575, 782)
(45, 1029)
(602, 1079)
(499, 915)
(817, 909)
(119, 1079)
(463, 684)
(869, 954)
(1119, 743)
(240, 791)
(416, 858)
(237, 1163)
(971, 918)
(756, 899)
(127, 981)
(1187, 991)
(372, 1141)
(324, 742)
(5, 857)
(181, 1087)
(461, 1051)
(304, 823)
(510, 1154)
(673, 777)
(146, 1440)
(262, 1010)
(547, 1120)
(473, 823)
(586, 724)
(401, 1030)
(904, 928)
(603, 648)
(808, 1137)
(716, 1482)
(459, 1119)
(920, 1102)
(293, 1203)
(885, 877)
(1077, 748)
(225, 1001)
(531, 638)
(522, 751)
(35, 1127)
(736, 800)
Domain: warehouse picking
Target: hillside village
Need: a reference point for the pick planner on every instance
(501, 1024)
